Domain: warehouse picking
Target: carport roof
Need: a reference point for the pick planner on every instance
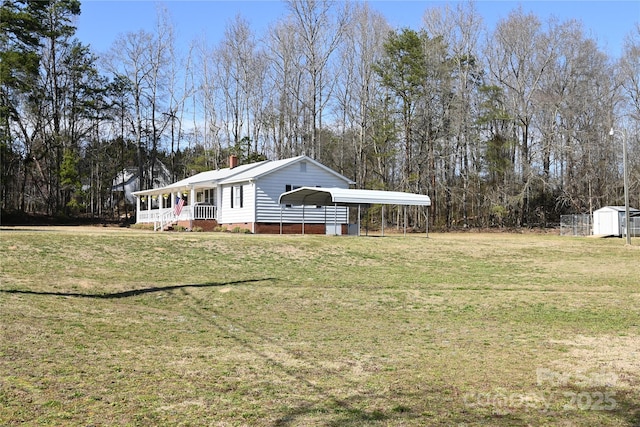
(322, 196)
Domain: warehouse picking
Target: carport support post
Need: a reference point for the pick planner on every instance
(335, 219)
(359, 211)
(426, 225)
(404, 208)
(382, 220)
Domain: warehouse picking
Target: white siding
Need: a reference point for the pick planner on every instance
(229, 215)
(271, 186)
(606, 222)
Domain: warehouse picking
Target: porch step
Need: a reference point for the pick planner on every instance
(169, 227)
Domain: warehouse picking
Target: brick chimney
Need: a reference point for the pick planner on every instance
(233, 161)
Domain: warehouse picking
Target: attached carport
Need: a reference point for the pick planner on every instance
(320, 196)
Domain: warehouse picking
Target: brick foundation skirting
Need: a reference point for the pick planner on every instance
(274, 228)
(261, 227)
(206, 225)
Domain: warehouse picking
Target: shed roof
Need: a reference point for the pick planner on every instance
(351, 197)
(617, 209)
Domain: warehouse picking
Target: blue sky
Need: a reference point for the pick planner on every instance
(102, 21)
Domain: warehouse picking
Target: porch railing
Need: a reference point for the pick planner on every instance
(167, 214)
(204, 212)
(166, 218)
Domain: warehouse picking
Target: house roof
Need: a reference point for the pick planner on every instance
(241, 173)
(617, 209)
(269, 167)
(350, 197)
(218, 175)
(202, 179)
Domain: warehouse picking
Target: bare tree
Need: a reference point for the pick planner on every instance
(357, 91)
(629, 67)
(207, 127)
(629, 77)
(461, 29)
(143, 59)
(241, 73)
(518, 56)
(285, 85)
(320, 32)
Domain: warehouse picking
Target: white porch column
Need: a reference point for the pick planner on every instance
(137, 208)
(192, 199)
(192, 203)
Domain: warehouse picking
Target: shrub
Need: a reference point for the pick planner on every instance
(240, 230)
(142, 226)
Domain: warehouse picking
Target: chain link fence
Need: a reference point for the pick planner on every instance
(575, 225)
(634, 225)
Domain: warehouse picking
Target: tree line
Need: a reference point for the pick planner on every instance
(501, 127)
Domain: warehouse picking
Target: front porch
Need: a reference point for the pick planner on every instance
(162, 218)
(187, 207)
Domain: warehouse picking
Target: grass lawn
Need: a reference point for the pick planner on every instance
(102, 326)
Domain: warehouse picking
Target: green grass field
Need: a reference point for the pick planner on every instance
(104, 326)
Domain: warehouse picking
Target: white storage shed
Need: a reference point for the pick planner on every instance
(608, 221)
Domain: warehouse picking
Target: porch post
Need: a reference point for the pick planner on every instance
(137, 208)
(192, 203)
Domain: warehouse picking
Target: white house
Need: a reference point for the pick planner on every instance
(128, 181)
(609, 221)
(247, 196)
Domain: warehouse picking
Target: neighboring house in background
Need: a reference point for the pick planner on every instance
(128, 181)
(247, 196)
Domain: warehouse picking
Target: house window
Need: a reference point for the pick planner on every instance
(237, 196)
(303, 167)
(288, 188)
(209, 196)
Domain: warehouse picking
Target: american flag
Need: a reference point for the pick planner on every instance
(178, 207)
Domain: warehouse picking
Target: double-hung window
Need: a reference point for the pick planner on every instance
(237, 196)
